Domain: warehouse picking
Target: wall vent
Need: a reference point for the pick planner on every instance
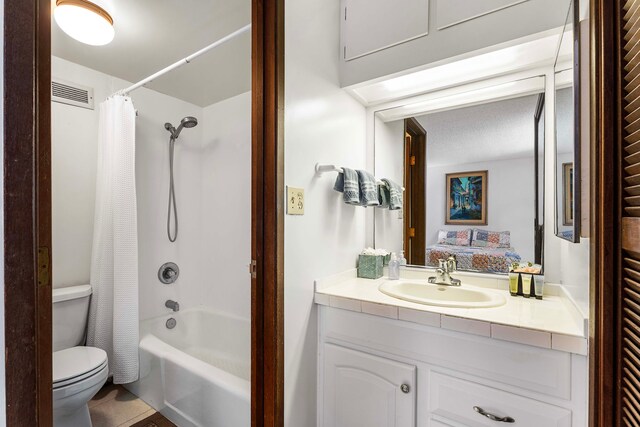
(71, 93)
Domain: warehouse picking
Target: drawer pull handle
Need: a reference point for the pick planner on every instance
(493, 417)
(405, 388)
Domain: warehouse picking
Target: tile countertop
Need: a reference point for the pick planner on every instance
(553, 322)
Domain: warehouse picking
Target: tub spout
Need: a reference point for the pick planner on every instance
(173, 305)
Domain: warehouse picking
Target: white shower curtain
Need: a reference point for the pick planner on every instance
(113, 314)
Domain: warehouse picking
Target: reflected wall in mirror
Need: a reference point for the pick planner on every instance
(474, 178)
(567, 147)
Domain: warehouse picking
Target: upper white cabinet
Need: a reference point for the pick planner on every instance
(383, 37)
(365, 390)
(394, 22)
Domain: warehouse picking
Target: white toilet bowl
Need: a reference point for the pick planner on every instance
(78, 374)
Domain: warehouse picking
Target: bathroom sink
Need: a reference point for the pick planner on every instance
(442, 296)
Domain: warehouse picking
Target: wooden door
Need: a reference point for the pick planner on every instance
(361, 389)
(415, 181)
(614, 350)
(630, 231)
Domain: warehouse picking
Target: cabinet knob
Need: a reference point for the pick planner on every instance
(405, 388)
(493, 417)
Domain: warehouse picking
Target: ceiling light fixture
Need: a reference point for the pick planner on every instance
(87, 21)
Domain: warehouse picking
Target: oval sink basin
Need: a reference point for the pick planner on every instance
(442, 296)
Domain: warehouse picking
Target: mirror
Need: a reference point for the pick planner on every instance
(473, 170)
(567, 147)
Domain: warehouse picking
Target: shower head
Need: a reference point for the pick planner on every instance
(187, 122)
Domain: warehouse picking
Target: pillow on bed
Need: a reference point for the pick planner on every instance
(454, 238)
(491, 239)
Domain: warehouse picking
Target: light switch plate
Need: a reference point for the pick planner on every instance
(295, 201)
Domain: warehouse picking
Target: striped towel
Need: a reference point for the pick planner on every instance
(368, 189)
(395, 195)
(383, 196)
(347, 183)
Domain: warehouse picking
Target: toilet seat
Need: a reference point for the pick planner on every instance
(76, 364)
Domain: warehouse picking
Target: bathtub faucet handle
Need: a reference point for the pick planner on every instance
(168, 273)
(173, 305)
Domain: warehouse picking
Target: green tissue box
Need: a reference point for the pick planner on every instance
(370, 266)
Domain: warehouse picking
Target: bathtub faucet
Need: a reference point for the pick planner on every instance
(173, 305)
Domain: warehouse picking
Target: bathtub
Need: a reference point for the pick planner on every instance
(198, 373)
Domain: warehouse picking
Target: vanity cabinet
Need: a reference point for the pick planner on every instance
(382, 37)
(363, 389)
(366, 361)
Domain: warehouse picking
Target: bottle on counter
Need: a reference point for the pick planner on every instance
(394, 267)
(402, 260)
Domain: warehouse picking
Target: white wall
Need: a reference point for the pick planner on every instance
(74, 139)
(389, 163)
(226, 205)
(214, 225)
(510, 201)
(322, 124)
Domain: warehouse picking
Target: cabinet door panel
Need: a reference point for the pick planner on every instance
(365, 390)
(373, 25)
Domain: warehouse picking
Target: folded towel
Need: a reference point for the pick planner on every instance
(383, 196)
(368, 189)
(347, 183)
(395, 195)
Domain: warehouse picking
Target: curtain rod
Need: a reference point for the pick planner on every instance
(183, 61)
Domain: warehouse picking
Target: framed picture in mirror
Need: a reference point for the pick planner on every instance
(567, 186)
(467, 198)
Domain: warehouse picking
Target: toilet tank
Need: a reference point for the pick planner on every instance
(70, 310)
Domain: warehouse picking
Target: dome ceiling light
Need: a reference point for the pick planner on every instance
(87, 21)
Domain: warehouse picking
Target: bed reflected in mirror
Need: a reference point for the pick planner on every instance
(473, 173)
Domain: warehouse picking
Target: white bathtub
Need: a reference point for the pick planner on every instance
(198, 373)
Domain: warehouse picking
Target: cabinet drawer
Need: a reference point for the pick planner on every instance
(455, 399)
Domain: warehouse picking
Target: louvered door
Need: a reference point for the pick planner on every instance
(630, 295)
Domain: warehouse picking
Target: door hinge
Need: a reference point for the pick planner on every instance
(43, 266)
(252, 268)
(412, 160)
(412, 232)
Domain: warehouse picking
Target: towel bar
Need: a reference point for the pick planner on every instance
(320, 169)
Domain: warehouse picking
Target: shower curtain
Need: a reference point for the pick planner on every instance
(113, 313)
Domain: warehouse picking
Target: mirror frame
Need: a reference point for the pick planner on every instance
(577, 214)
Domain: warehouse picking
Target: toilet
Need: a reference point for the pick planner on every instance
(78, 371)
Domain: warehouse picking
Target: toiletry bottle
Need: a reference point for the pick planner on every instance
(539, 285)
(394, 267)
(526, 285)
(402, 260)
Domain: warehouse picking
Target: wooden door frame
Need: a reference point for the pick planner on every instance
(27, 212)
(267, 243)
(605, 262)
(413, 128)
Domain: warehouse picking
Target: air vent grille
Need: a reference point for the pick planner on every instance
(71, 94)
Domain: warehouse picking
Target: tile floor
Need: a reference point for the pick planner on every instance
(114, 406)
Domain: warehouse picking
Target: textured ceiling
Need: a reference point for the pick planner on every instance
(152, 34)
(494, 131)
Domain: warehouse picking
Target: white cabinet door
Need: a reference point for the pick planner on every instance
(365, 390)
(373, 25)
